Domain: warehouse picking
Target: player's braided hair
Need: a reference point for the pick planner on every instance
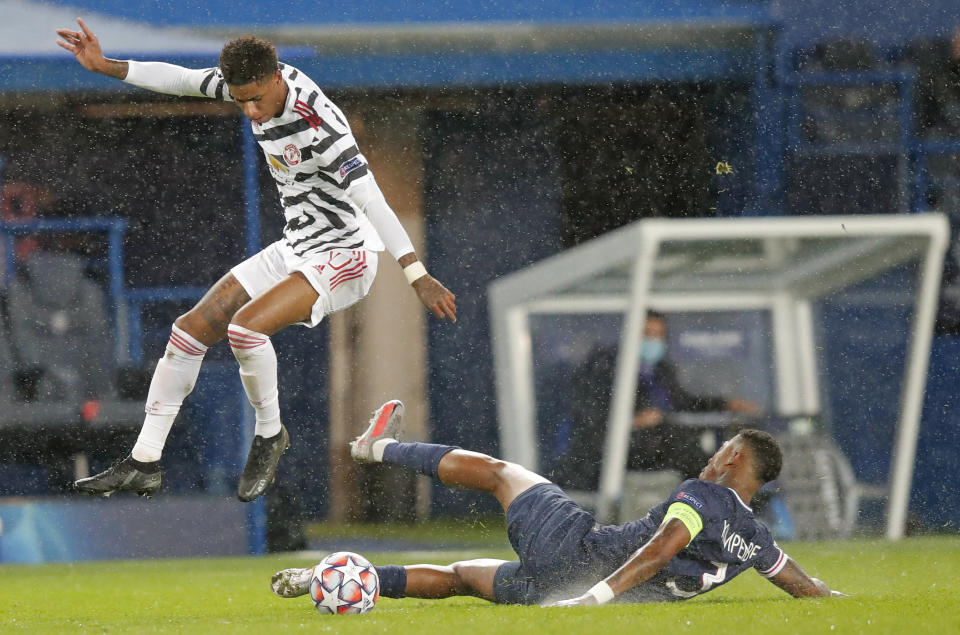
(767, 457)
(247, 59)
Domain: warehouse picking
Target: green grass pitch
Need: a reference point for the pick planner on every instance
(905, 587)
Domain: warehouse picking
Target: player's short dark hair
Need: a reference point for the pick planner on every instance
(767, 457)
(247, 59)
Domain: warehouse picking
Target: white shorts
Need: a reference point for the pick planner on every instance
(340, 277)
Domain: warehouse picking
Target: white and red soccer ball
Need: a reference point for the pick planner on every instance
(344, 582)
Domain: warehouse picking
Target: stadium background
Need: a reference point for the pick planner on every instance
(500, 134)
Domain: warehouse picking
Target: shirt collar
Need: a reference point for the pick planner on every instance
(740, 500)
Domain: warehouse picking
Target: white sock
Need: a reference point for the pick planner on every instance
(173, 379)
(258, 372)
(376, 450)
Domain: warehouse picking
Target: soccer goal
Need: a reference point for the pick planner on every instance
(805, 275)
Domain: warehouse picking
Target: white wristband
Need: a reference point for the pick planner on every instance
(602, 592)
(414, 271)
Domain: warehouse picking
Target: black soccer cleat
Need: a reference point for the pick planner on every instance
(261, 465)
(126, 476)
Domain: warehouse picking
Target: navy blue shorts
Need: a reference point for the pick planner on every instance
(546, 529)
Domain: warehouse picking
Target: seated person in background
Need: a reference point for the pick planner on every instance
(60, 329)
(655, 444)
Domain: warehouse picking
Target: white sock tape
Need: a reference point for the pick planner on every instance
(602, 592)
(414, 271)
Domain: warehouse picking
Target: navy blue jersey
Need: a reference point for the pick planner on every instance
(563, 552)
(731, 541)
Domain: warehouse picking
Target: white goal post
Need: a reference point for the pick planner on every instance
(776, 264)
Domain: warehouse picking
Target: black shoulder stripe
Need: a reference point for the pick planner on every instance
(329, 129)
(219, 92)
(312, 98)
(336, 116)
(207, 80)
(293, 74)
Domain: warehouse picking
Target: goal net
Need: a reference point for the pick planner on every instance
(829, 317)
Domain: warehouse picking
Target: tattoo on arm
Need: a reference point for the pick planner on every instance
(115, 68)
(220, 304)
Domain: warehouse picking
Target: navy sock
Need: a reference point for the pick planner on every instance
(393, 581)
(420, 457)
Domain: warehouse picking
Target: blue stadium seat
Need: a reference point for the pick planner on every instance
(60, 325)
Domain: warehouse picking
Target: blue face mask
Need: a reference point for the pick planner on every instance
(652, 350)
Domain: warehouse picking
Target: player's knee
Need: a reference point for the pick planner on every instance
(190, 324)
(464, 577)
(475, 577)
(459, 569)
(507, 479)
(243, 317)
(205, 325)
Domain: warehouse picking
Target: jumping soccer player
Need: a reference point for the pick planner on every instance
(336, 222)
(701, 537)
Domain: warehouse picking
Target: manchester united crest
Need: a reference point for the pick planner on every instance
(291, 154)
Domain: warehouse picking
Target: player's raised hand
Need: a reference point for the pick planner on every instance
(436, 297)
(84, 45)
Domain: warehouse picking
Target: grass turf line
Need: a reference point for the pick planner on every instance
(907, 586)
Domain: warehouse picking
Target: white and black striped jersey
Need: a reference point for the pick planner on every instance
(311, 152)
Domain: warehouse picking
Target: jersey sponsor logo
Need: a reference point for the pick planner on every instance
(690, 499)
(291, 154)
(736, 545)
(349, 166)
(281, 175)
(276, 165)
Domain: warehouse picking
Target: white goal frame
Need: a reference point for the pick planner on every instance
(626, 271)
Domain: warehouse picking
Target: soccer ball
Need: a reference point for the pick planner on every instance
(344, 582)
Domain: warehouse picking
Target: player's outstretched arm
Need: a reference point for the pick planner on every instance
(86, 48)
(156, 76)
(797, 583)
(670, 538)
